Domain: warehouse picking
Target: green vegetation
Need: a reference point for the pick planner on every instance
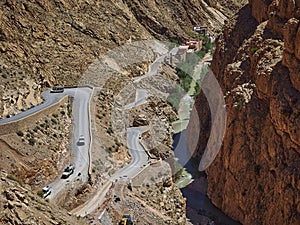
(40, 193)
(173, 44)
(31, 141)
(179, 173)
(239, 104)
(110, 130)
(20, 133)
(185, 69)
(69, 108)
(207, 45)
(253, 50)
(54, 121)
(174, 98)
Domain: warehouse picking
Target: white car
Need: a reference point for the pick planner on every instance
(46, 191)
(68, 171)
(81, 140)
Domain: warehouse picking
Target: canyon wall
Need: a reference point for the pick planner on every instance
(255, 177)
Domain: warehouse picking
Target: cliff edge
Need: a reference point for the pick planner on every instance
(255, 177)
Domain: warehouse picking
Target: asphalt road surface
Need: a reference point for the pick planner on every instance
(139, 159)
(153, 68)
(49, 98)
(140, 98)
(81, 126)
(81, 121)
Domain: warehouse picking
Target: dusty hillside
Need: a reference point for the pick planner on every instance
(37, 152)
(45, 43)
(19, 205)
(255, 177)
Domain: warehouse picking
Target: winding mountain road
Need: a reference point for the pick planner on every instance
(49, 98)
(139, 157)
(81, 126)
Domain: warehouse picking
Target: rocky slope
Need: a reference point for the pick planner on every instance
(255, 177)
(36, 153)
(19, 205)
(46, 43)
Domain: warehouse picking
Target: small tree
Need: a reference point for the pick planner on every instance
(20, 133)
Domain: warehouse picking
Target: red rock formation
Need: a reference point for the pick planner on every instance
(255, 177)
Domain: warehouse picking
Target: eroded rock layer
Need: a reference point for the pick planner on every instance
(255, 177)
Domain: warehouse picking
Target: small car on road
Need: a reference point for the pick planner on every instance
(46, 191)
(68, 171)
(81, 141)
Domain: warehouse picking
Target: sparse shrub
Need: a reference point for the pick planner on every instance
(69, 110)
(31, 141)
(40, 193)
(253, 50)
(20, 133)
(110, 130)
(54, 121)
(239, 104)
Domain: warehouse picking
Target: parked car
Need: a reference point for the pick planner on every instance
(68, 171)
(57, 90)
(46, 191)
(81, 140)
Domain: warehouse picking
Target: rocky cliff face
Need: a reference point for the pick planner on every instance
(255, 177)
